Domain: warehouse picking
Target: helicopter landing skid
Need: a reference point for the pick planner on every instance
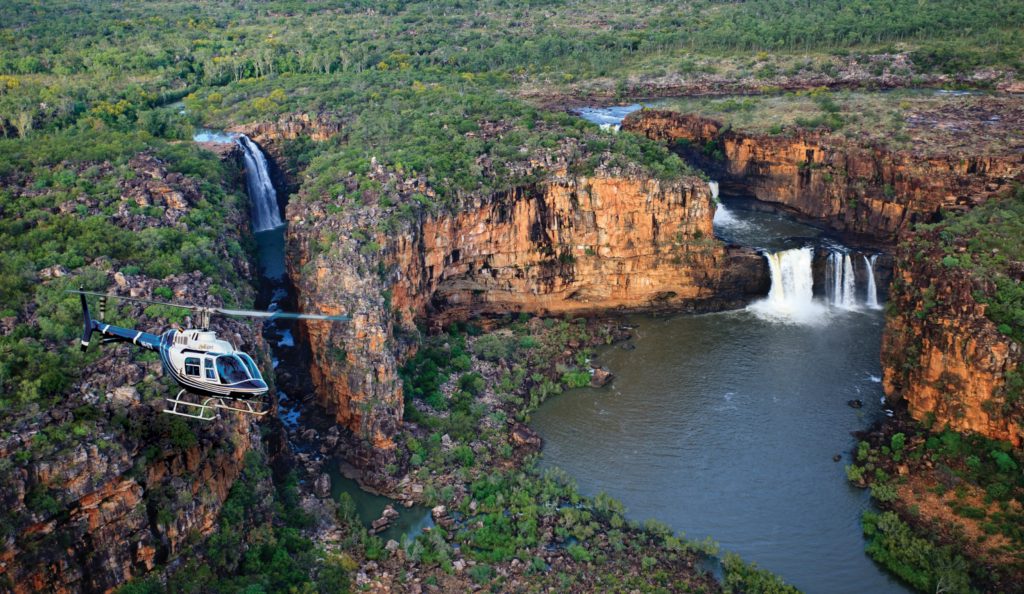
(209, 409)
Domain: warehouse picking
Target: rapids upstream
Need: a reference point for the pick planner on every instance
(725, 425)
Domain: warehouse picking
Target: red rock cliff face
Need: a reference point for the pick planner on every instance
(118, 522)
(869, 191)
(942, 355)
(84, 511)
(569, 244)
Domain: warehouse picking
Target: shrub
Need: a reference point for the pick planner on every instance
(494, 347)
(481, 573)
(576, 379)
(463, 454)
(579, 553)
(915, 560)
(473, 383)
(750, 579)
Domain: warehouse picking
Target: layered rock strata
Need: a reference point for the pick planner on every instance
(869, 191)
(568, 245)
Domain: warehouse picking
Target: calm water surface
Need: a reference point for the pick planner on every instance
(725, 425)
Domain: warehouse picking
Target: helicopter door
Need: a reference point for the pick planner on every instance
(211, 375)
(192, 366)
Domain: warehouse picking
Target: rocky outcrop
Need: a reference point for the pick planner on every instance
(272, 136)
(100, 486)
(316, 127)
(941, 354)
(713, 78)
(569, 244)
(103, 513)
(870, 191)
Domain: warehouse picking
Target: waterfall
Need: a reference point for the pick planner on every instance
(265, 212)
(841, 282)
(872, 296)
(791, 297)
(723, 217)
(849, 284)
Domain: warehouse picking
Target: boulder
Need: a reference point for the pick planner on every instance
(322, 486)
(600, 377)
(523, 436)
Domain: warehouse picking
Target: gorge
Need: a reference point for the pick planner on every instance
(624, 280)
(817, 292)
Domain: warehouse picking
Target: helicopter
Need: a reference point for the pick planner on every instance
(209, 370)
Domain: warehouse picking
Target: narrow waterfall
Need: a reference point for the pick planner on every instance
(841, 282)
(872, 296)
(849, 284)
(723, 217)
(265, 212)
(791, 296)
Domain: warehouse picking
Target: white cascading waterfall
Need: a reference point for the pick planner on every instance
(849, 300)
(872, 295)
(841, 282)
(723, 216)
(265, 212)
(791, 297)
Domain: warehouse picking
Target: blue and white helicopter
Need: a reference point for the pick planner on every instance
(208, 369)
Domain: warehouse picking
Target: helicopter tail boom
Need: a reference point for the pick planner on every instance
(114, 333)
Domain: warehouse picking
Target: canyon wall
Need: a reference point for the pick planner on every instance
(271, 137)
(941, 354)
(570, 244)
(100, 486)
(108, 510)
(869, 191)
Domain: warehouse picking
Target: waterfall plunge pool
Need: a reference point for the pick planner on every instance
(276, 293)
(725, 425)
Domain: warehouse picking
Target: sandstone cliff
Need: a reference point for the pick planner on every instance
(940, 353)
(569, 244)
(99, 486)
(869, 191)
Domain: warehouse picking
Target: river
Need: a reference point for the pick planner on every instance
(725, 425)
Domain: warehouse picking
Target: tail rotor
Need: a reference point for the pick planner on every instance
(89, 327)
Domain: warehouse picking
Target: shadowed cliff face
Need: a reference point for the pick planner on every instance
(570, 244)
(941, 354)
(867, 191)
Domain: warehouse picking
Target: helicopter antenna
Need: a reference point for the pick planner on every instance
(204, 313)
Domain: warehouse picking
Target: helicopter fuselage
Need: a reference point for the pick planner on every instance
(197, 360)
(203, 364)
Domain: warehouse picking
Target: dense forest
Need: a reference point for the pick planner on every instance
(95, 96)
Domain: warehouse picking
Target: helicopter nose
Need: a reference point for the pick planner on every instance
(257, 384)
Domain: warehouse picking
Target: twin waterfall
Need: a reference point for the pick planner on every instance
(266, 214)
(792, 290)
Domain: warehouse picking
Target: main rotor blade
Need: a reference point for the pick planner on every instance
(150, 301)
(280, 315)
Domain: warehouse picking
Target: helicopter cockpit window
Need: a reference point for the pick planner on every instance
(192, 366)
(254, 372)
(208, 367)
(231, 369)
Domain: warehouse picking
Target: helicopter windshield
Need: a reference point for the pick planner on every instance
(254, 372)
(231, 369)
